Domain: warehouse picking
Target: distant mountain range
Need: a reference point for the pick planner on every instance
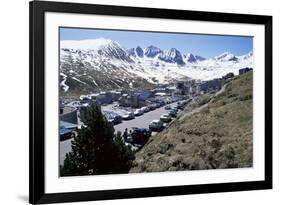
(100, 64)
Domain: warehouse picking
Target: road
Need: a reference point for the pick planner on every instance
(139, 121)
(65, 147)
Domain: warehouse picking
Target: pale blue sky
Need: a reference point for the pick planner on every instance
(204, 45)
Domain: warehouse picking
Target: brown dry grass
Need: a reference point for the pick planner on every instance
(220, 136)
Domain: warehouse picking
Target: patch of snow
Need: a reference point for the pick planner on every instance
(115, 84)
(95, 83)
(62, 83)
(78, 80)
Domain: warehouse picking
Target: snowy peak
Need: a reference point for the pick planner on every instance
(168, 56)
(226, 56)
(199, 58)
(190, 58)
(229, 57)
(151, 51)
(247, 56)
(173, 53)
(88, 44)
(139, 51)
(136, 52)
(101, 46)
(131, 52)
(171, 56)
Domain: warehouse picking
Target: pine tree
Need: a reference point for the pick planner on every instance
(96, 149)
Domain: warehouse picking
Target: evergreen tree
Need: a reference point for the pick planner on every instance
(95, 148)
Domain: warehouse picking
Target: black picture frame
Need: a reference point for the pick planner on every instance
(37, 10)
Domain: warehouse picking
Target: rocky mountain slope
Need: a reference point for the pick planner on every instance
(101, 64)
(218, 135)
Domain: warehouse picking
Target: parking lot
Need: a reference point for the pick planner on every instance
(141, 121)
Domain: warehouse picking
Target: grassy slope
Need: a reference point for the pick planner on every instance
(219, 136)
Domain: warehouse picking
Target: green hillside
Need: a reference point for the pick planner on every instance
(218, 134)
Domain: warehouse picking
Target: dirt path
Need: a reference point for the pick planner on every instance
(198, 109)
(221, 90)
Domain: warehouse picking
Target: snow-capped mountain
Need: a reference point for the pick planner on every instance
(190, 58)
(139, 51)
(247, 56)
(101, 46)
(226, 56)
(171, 56)
(199, 58)
(136, 52)
(152, 51)
(98, 64)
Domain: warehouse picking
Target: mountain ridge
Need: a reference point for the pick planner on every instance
(86, 60)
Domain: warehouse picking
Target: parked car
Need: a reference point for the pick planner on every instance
(173, 113)
(180, 106)
(145, 109)
(138, 112)
(128, 116)
(111, 121)
(139, 136)
(162, 103)
(156, 125)
(116, 119)
(157, 105)
(165, 118)
(168, 107)
(174, 100)
(152, 107)
(168, 102)
(65, 133)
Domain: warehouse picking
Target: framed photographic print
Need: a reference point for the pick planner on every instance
(140, 102)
